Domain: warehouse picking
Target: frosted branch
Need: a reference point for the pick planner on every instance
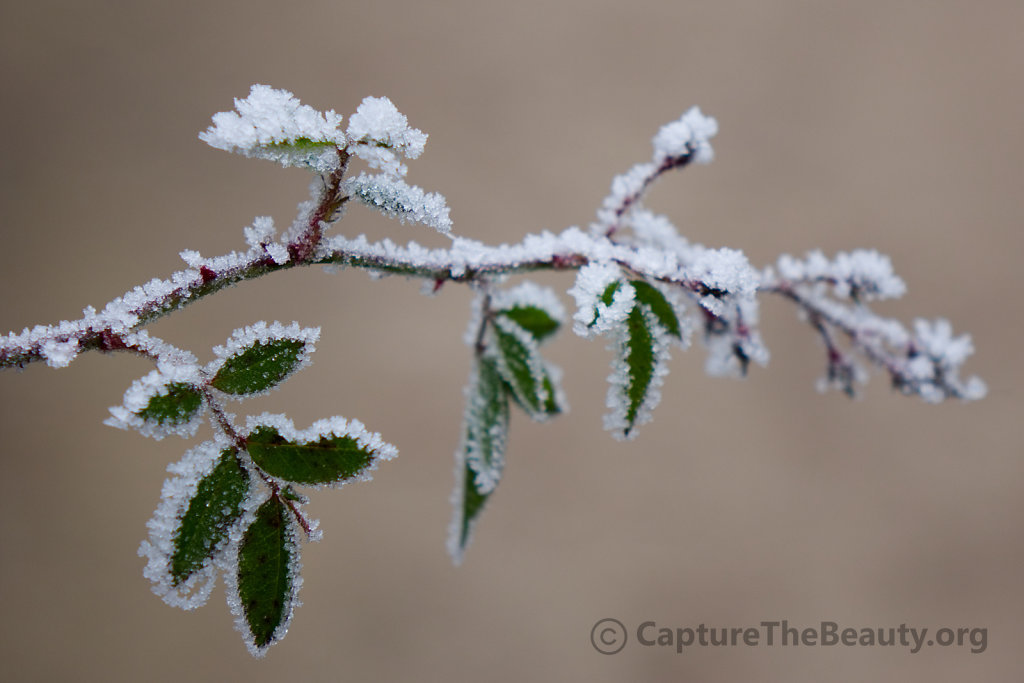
(638, 283)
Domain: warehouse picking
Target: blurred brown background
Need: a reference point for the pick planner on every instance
(894, 125)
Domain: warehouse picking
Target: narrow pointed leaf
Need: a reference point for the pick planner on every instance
(177, 406)
(487, 424)
(533, 319)
(216, 505)
(267, 566)
(469, 504)
(260, 366)
(327, 460)
(650, 295)
(640, 364)
(481, 460)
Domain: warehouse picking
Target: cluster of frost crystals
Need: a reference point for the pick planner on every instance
(59, 354)
(675, 144)
(935, 360)
(593, 316)
(260, 237)
(379, 133)
(691, 134)
(260, 232)
(273, 124)
(339, 427)
(861, 274)
(158, 549)
(395, 198)
(724, 271)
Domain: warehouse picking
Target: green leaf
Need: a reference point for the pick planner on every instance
(260, 366)
(328, 460)
(177, 406)
(551, 405)
(520, 365)
(213, 509)
(482, 459)
(487, 423)
(533, 319)
(651, 296)
(469, 504)
(640, 362)
(267, 559)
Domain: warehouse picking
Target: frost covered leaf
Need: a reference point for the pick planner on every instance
(481, 458)
(273, 124)
(216, 505)
(159, 404)
(520, 365)
(534, 320)
(554, 403)
(329, 452)
(641, 349)
(397, 199)
(179, 405)
(259, 357)
(603, 300)
(534, 308)
(486, 424)
(190, 527)
(649, 295)
(268, 566)
(606, 299)
(259, 367)
(468, 503)
(640, 364)
(524, 317)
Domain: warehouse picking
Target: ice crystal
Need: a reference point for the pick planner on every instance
(380, 133)
(397, 199)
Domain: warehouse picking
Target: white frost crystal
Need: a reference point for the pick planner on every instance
(379, 133)
(592, 315)
(691, 134)
(273, 124)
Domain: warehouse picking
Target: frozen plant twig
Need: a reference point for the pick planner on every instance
(233, 506)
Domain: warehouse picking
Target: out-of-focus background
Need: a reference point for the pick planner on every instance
(893, 125)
